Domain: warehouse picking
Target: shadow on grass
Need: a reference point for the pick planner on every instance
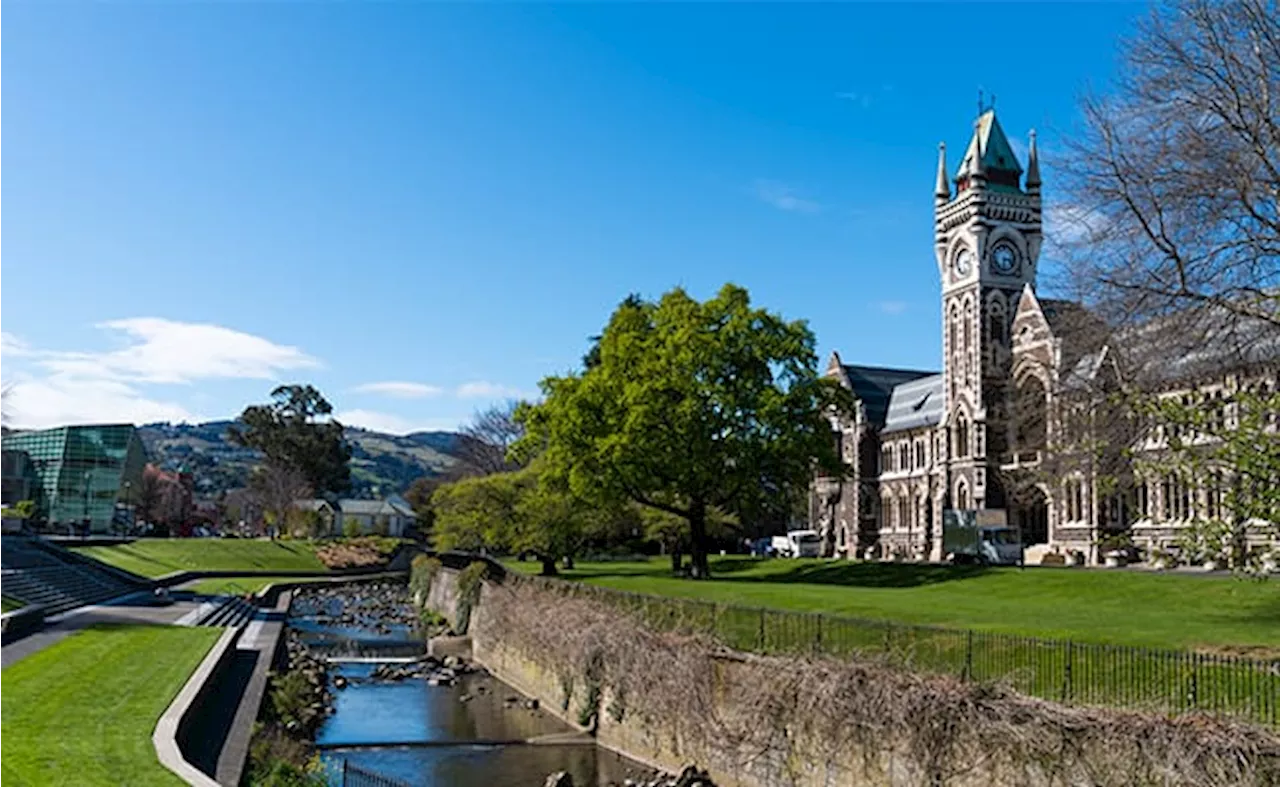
(781, 571)
(870, 575)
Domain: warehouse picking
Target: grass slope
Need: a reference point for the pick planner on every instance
(9, 603)
(237, 585)
(153, 557)
(1113, 607)
(82, 711)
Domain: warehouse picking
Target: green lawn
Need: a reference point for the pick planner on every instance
(153, 557)
(1111, 607)
(237, 585)
(82, 711)
(10, 603)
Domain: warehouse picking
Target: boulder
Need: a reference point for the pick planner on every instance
(559, 779)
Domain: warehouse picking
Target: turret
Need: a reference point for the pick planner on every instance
(942, 191)
(1033, 166)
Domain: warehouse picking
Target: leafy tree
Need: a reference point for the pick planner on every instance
(24, 509)
(523, 511)
(689, 407)
(1235, 456)
(294, 431)
(475, 513)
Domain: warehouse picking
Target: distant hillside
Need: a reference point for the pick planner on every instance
(386, 462)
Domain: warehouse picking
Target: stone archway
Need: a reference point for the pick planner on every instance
(1032, 518)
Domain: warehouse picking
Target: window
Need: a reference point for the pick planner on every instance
(962, 495)
(968, 342)
(1144, 500)
(904, 459)
(962, 436)
(920, 455)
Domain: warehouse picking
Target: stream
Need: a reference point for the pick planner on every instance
(468, 730)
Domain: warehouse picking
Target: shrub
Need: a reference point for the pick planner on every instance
(469, 581)
(351, 528)
(422, 573)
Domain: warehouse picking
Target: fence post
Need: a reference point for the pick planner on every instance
(344, 772)
(968, 656)
(1066, 677)
(761, 648)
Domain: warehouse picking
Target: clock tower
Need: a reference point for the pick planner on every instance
(987, 242)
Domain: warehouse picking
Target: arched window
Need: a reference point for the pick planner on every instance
(968, 341)
(962, 436)
(962, 495)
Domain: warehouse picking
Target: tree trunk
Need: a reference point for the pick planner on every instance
(548, 566)
(677, 561)
(698, 538)
(568, 562)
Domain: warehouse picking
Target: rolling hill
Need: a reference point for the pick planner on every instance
(381, 464)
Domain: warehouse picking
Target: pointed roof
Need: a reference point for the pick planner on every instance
(992, 148)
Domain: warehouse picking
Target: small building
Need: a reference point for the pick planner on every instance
(392, 516)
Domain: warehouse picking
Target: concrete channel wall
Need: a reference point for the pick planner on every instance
(184, 709)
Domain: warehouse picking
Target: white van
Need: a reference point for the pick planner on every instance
(804, 543)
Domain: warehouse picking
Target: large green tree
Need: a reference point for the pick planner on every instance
(295, 431)
(689, 406)
(523, 511)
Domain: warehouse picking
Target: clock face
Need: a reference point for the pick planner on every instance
(964, 262)
(1004, 258)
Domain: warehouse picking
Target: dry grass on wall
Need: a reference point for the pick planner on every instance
(769, 720)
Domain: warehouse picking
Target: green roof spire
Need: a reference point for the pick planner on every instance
(990, 150)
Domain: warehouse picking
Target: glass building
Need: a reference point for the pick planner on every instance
(75, 473)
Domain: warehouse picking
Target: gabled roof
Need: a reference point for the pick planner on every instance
(990, 142)
(915, 404)
(873, 385)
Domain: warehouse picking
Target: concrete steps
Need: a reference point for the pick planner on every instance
(231, 611)
(40, 573)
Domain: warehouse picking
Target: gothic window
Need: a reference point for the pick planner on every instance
(953, 346)
(1213, 495)
(968, 341)
(962, 436)
(1144, 500)
(904, 461)
(920, 457)
(886, 459)
(962, 495)
(904, 514)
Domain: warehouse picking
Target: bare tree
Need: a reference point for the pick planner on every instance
(1174, 183)
(486, 440)
(274, 487)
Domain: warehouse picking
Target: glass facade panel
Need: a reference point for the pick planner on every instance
(74, 473)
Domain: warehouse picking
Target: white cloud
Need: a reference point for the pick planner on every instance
(394, 424)
(486, 390)
(893, 307)
(13, 346)
(784, 197)
(88, 387)
(58, 401)
(164, 351)
(400, 390)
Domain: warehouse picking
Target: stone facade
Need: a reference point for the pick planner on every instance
(990, 430)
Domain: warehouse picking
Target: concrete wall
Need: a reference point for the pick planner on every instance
(746, 742)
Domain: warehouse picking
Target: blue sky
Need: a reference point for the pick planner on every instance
(423, 208)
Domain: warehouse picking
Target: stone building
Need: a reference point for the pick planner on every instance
(1000, 426)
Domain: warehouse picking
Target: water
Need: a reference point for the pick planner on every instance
(429, 736)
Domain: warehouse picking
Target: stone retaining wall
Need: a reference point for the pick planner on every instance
(1031, 742)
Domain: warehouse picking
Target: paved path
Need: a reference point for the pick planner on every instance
(137, 609)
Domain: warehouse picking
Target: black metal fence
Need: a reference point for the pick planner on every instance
(355, 776)
(1166, 681)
